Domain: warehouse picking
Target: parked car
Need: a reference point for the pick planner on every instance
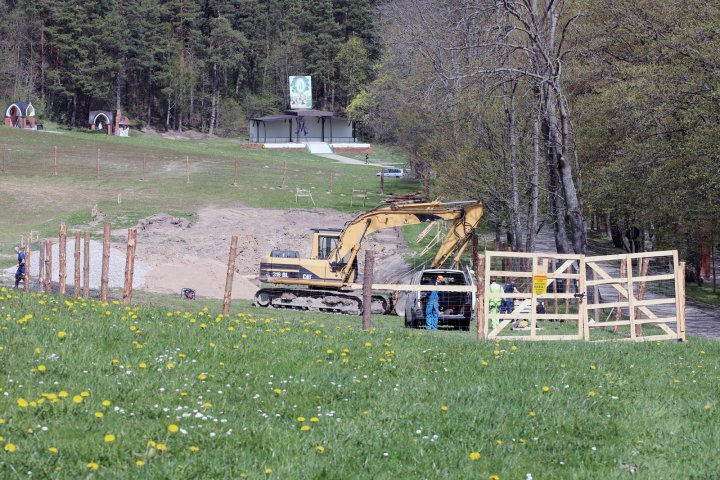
(393, 173)
(456, 308)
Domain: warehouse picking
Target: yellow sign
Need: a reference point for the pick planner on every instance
(539, 284)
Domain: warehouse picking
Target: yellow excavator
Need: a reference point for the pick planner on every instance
(322, 282)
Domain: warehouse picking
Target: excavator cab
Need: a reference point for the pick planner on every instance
(325, 240)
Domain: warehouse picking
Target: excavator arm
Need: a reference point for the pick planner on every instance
(464, 215)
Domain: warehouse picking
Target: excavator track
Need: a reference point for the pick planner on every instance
(320, 300)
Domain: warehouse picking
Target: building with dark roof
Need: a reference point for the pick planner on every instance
(20, 115)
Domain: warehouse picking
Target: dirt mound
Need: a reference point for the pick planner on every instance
(194, 255)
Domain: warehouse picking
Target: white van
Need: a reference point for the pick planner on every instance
(393, 173)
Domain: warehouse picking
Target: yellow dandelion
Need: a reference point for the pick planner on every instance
(161, 447)
(77, 399)
(474, 455)
(99, 415)
(22, 403)
(496, 352)
(444, 408)
(41, 368)
(277, 391)
(84, 394)
(139, 463)
(494, 477)
(314, 420)
(53, 450)
(93, 466)
(591, 393)
(202, 377)
(320, 449)
(142, 365)
(707, 406)
(109, 438)
(106, 403)
(193, 448)
(10, 447)
(304, 428)
(63, 394)
(173, 428)
(151, 444)
(268, 471)
(368, 344)
(676, 381)
(532, 413)
(499, 442)
(300, 419)
(545, 388)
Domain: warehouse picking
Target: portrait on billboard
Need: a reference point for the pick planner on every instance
(300, 93)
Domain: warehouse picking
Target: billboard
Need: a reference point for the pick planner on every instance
(300, 92)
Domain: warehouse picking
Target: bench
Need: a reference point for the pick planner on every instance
(358, 193)
(301, 192)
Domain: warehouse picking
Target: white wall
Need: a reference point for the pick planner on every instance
(278, 131)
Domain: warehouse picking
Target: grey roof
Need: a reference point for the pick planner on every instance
(23, 106)
(270, 118)
(94, 113)
(309, 113)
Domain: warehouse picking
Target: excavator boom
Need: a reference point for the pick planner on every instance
(333, 263)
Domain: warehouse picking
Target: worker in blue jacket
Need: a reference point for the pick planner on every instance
(432, 307)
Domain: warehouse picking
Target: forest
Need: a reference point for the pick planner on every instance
(578, 116)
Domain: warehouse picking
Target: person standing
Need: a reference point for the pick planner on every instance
(367, 159)
(506, 305)
(20, 272)
(495, 301)
(432, 307)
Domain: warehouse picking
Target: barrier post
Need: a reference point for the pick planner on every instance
(227, 297)
(26, 278)
(680, 308)
(55, 162)
(48, 266)
(105, 264)
(86, 266)
(235, 179)
(76, 290)
(62, 258)
(41, 267)
(367, 290)
(129, 265)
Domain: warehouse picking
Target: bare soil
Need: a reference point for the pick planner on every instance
(194, 255)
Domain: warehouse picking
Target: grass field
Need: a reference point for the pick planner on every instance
(33, 198)
(93, 390)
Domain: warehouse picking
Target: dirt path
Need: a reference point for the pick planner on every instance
(194, 255)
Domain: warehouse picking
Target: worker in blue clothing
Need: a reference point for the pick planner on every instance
(432, 307)
(20, 272)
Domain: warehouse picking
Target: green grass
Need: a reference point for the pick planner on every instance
(703, 294)
(379, 413)
(383, 154)
(33, 198)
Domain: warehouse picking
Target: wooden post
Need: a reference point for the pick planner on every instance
(382, 180)
(641, 294)
(367, 290)
(55, 162)
(480, 295)
(680, 298)
(48, 266)
(618, 310)
(555, 308)
(187, 169)
(567, 290)
(86, 266)
(105, 264)
(76, 290)
(235, 180)
(27, 263)
(283, 180)
(98, 163)
(129, 265)
(62, 258)
(631, 296)
(41, 267)
(596, 297)
(229, 277)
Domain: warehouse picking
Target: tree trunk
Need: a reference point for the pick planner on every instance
(213, 106)
(534, 186)
(517, 241)
(74, 110)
